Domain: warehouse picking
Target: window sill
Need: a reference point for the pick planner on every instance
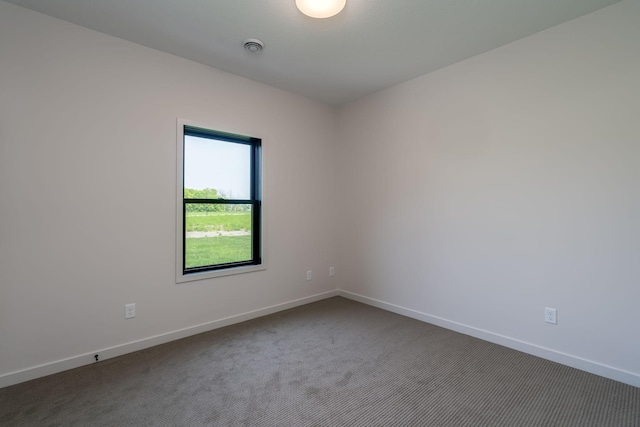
(192, 277)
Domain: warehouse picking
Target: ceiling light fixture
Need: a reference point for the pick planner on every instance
(320, 8)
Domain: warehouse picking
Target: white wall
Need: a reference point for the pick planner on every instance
(87, 194)
(477, 195)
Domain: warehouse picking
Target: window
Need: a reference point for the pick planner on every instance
(219, 203)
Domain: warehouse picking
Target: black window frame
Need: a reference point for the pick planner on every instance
(255, 199)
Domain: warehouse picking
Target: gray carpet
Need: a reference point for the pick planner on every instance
(332, 363)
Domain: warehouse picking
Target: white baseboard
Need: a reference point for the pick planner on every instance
(34, 372)
(533, 349)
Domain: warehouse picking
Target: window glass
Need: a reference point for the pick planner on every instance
(217, 234)
(217, 165)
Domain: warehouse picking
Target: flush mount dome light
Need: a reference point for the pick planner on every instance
(320, 8)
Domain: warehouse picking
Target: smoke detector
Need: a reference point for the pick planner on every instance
(253, 45)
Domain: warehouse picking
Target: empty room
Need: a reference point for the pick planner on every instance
(320, 213)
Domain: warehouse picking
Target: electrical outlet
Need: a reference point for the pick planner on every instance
(332, 271)
(309, 275)
(551, 315)
(129, 311)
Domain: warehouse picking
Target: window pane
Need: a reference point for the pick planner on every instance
(217, 234)
(216, 169)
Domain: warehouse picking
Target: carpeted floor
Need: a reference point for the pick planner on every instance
(332, 363)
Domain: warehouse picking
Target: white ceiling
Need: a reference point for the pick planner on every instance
(369, 46)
